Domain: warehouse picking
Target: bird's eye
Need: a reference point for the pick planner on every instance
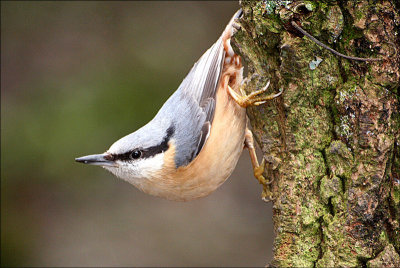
(136, 154)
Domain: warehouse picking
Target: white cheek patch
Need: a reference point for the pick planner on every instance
(149, 167)
(136, 171)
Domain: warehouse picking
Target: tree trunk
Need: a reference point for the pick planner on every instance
(331, 140)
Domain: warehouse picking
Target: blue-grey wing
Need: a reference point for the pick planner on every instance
(191, 108)
(202, 81)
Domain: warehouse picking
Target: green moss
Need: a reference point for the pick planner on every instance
(362, 250)
(310, 213)
(330, 187)
(309, 164)
(328, 259)
(337, 243)
(314, 127)
(265, 18)
(339, 159)
(383, 236)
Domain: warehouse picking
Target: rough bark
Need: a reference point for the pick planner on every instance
(331, 140)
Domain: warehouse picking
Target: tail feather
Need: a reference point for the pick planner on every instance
(230, 56)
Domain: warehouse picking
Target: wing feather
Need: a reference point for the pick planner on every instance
(202, 81)
(191, 108)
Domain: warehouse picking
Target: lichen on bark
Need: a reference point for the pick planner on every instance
(331, 140)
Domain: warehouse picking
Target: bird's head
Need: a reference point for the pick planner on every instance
(137, 156)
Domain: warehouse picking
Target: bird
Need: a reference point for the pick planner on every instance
(193, 143)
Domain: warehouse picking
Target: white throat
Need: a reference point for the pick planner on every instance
(136, 171)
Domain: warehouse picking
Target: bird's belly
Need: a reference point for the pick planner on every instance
(215, 162)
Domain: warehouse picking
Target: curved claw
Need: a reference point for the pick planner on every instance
(253, 98)
(266, 86)
(258, 173)
(266, 194)
(267, 198)
(258, 169)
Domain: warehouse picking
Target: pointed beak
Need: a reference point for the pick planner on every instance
(97, 159)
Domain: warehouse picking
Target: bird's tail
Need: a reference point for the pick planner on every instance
(231, 58)
(230, 28)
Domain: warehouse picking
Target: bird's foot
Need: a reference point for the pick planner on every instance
(258, 170)
(266, 194)
(253, 98)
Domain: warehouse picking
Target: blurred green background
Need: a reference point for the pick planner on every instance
(77, 76)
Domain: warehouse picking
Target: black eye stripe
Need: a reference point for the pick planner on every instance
(150, 151)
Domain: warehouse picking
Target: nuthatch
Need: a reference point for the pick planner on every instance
(193, 143)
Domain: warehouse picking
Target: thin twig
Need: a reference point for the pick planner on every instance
(330, 49)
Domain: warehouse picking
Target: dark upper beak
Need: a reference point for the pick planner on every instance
(97, 159)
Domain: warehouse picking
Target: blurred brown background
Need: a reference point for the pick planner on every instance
(75, 77)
